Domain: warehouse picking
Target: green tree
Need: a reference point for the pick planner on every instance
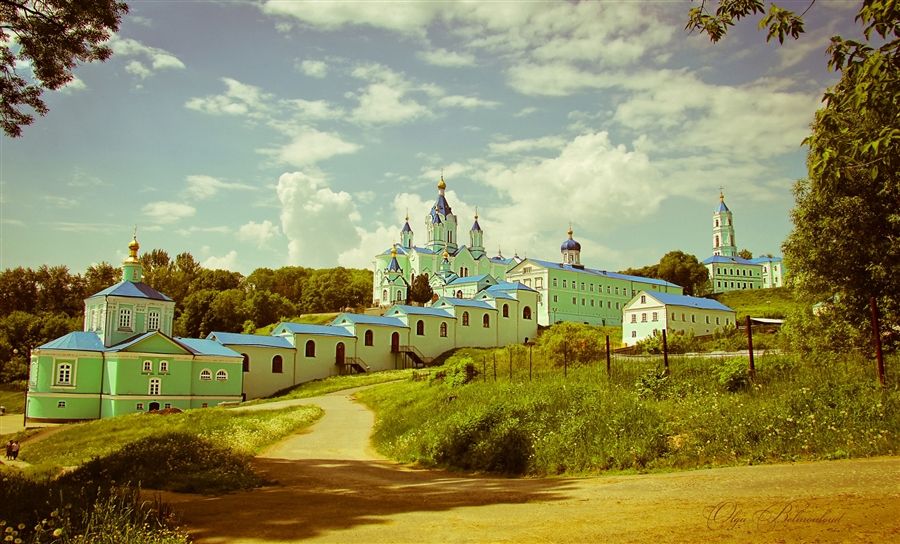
(745, 254)
(420, 291)
(679, 268)
(53, 36)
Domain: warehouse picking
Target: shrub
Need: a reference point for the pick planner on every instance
(677, 342)
(652, 383)
(734, 375)
(574, 343)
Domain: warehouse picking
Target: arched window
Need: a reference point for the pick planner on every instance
(486, 321)
(384, 297)
(506, 310)
(64, 374)
(526, 313)
(156, 386)
(459, 294)
(310, 348)
(443, 329)
(246, 365)
(399, 295)
(221, 376)
(148, 366)
(164, 366)
(465, 319)
(420, 328)
(277, 364)
(206, 375)
(370, 338)
(717, 241)
(717, 222)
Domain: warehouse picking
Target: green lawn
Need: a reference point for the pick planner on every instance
(14, 401)
(774, 303)
(335, 383)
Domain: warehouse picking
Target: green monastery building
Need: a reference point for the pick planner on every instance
(567, 290)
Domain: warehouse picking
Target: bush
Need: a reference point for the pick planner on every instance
(574, 343)
(676, 342)
(652, 383)
(734, 375)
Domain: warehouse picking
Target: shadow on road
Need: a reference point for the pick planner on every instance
(316, 496)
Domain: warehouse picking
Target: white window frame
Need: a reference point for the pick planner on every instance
(70, 375)
(153, 320)
(155, 387)
(148, 366)
(125, 319)
(61, 404)
(221, 375)
(164, 366)
(206, 375)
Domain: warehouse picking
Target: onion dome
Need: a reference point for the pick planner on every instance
(441, 184)
(570, 244)
(133, 248)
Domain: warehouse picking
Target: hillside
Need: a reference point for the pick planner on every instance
(775, 303)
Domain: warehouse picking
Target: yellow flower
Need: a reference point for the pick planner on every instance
(57, 532)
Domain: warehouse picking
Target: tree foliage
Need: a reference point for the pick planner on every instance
(745, 254)
(420, 291)
(53, 37)
(845, 247)
(679, 268)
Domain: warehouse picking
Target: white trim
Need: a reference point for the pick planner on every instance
(35, 394)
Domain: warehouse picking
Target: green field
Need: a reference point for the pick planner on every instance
(774, 303)
(14, 401)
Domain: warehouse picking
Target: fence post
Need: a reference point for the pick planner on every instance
(565, 359)
(877, 340)
(509, 350)
(665, 352)
(495, 366)
(483, 368)
(529, 361)
(607, 355)
(750, 348)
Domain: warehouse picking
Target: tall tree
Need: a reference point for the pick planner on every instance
(53, 37)
(679, 268)
(420, 291)
(745, 254)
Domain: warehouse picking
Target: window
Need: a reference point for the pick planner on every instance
(277, 364)
(617, 305)
(155, 385)
(64, 374)
(153, 321)
(399, 295)
(718, 284)
(673, 316)
(526, 313)
(506, 310)
(582, 286)
(245, 367)
(608, 289)
(617, 290)
(384, 295)
(93, 320)
(592, 303)
(148, 366)
(634, 318)
(221, 376)
(459, 294)
(164, 366)
(682, 317)
(717, 241)
(206, 375)
(527, 282)
(655, 316)
(564, 284)
(608, 304)
(574, 301)
(443, 329)
(310, 348)
(643, 318)
(538, 283)
(139, 406)
(125, 318)
(555, 298)
(167, 405)
(717, 222)
(727, 321)
(420, 328)
(486, 321)
(526, 270)
(205, 405)
(717, 321)
(693, 318)
(554, 282)
(592, 288)
(707, 320)
(643, 299)
(634, 334)
(370, 338)
(466, 318)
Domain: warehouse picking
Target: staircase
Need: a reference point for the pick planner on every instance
(355, 365)
(410, 353)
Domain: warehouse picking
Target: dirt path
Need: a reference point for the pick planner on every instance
(335, 488)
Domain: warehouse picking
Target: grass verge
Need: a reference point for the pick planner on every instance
(335, 383)
(705, 413)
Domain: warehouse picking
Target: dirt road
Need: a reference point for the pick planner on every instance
(334, 488)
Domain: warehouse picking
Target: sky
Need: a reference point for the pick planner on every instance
(273, 133)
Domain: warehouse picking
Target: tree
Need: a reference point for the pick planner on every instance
(845, 247)
(745, 254)
(679, 268)
(420, 291)
(53, 36)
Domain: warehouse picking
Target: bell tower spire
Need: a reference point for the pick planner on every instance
(723, 230)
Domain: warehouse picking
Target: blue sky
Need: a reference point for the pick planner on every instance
(264, 134)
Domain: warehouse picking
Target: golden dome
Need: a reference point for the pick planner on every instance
(570, 232)
(133, 248)
(442, 185)
(446, 255)
(394, 251)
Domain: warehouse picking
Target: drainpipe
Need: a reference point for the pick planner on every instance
(102, 369)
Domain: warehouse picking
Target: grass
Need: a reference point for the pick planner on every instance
(705, 413)
(14, 401)
(310, 319)
(242, 432)
(775, 303)
(317, 388)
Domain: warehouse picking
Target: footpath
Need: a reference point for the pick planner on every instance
(333, 487)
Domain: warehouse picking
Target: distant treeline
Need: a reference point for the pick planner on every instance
(39, 305)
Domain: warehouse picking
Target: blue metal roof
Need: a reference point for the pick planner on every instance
(203, 346)
(603, 273)
(394, 266)
(728, 260)
(496, 294)
(476, 226)
(470, 279)
(132, 290)
(418, 310)
(406, 228)
(570, 244)
(464, 302)
(255, 340)
(510, 286)
(440, 207)
(321, 330)
(722, 208)
(76, 341)
(690, 302)
(140, 337)
(760, 260)
(363, 319)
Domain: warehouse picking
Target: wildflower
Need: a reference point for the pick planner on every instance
(57, 532)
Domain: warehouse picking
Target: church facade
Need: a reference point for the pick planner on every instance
(730, 272)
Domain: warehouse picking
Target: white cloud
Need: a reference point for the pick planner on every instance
(449, 59)
(310, 146)
(163, 212)
(314, 68)
(202, 187)
(60, 201)
(13, 222)
(407, 18)
(239, 99)
(385, 100)
(525, 111)
(226, 262)
(258, 233)
(74, 85)
(315, 110)
(157, 59)
(317, 221)
(467, 102)
(519, 146)
(191, 230)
